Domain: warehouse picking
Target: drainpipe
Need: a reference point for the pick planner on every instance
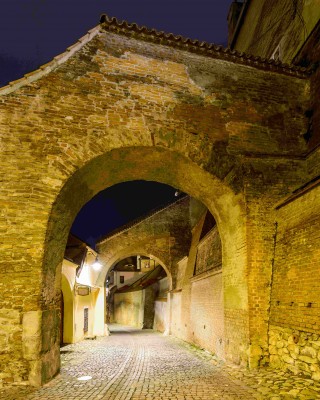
(239, 23)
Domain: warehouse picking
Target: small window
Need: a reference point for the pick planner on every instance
(121, 279)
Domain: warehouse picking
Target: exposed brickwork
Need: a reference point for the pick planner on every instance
(283, 216)
(295, 289)
(194, 46)
(209, 253)
(207, 313)
(165, 235)
(122, 109)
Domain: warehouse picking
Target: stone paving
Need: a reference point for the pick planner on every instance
(142, 364)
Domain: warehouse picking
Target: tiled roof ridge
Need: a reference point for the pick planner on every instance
(45, 69)
(137, 221)
(158, 37)
(112, 24)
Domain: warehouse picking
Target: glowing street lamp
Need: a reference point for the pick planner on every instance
(96, 265)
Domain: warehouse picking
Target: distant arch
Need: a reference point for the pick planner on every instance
(171, 168)
(124, 254)
(144, 163)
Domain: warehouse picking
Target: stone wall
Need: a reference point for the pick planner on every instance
(115, 107)
(176, 327)
(295, 297)
(288, 31)
(295, 350)
(160, 315)
(295, 288)
(209, 253)
(149, 310)
(164, 234)
(129, 308)
(161, 308)
(197, 302)
(207, 303)
(207, 312)
(136, 308)
(15, 369)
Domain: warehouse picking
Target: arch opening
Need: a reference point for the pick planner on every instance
(137, 287)
(164, 166)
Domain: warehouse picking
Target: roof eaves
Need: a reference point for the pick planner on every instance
(239, 23)
(111, 24)
(45, 69)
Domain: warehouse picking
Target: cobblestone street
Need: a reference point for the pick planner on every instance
(142, 364)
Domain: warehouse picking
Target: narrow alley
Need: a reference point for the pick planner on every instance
(142, 364)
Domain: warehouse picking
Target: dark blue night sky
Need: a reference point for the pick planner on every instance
(118, 205)
(32, 32)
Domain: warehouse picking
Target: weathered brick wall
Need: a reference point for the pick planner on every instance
(295, 291)
(175, 299)
(207, 313)
(209, 254)
(180, 274)
(293, 28)
(197, 311)
(165, 235)
(309, 56)
(118, 108)
(294, 314)
(176, 326)
(161, 310)
(12, 333)
(267, 183)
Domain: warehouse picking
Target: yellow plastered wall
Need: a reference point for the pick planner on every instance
(74, 304)
(68, 316)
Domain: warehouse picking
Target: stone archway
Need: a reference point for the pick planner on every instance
(171, 168)
(133, 251)
(126, 104)
(137, 306)
(155, 235)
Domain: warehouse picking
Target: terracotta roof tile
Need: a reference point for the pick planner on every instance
(195, 46)
(162, 38)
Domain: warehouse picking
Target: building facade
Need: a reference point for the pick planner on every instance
(82, 301)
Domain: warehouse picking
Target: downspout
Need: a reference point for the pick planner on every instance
(239, 23)
(273, 260)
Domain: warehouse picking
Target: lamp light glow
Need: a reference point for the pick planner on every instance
(96, 265)
(84, 378)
